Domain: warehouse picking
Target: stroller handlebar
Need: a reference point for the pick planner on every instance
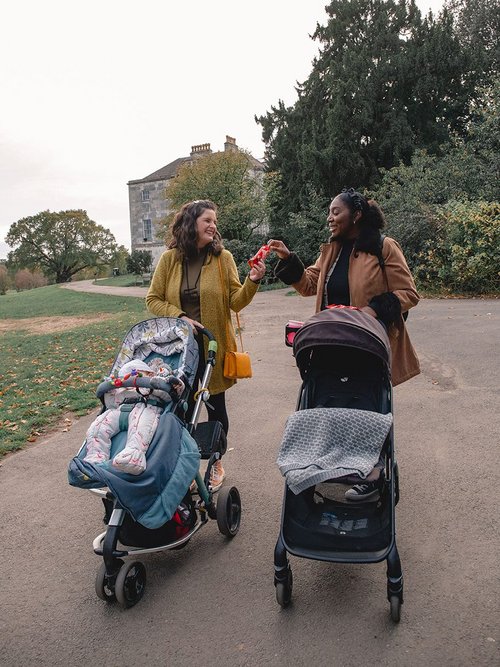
(206, 332)
(163, 384)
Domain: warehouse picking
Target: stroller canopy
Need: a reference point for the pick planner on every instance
(345, 327)
(170, 337)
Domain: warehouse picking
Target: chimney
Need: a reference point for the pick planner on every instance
(201, 149)
(230, 144)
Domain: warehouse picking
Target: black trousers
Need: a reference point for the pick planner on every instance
(218, 401)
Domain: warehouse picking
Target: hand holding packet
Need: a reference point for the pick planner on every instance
(260, 255)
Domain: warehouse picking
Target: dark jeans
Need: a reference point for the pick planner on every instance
(217, 401)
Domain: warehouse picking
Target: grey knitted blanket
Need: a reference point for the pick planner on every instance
(327, 443)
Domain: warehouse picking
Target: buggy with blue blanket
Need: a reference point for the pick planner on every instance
(341, 434)
(159, 509)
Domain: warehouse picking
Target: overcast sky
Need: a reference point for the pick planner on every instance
(101, 92)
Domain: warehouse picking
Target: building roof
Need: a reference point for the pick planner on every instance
(171, 169)
(163, 174)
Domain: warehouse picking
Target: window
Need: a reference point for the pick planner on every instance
(145, 195)
(147, 230)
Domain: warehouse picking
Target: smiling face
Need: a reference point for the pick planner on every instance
(206, 226)
(342, 221)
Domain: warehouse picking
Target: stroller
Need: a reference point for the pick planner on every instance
(342, 427)
(159, 509)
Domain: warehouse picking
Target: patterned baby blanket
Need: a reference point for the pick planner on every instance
(327, 443)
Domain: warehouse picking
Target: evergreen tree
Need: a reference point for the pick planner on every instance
(385, 83)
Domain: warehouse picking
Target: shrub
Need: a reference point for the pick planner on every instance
(4, 280)
(26, 279)
(464, 253)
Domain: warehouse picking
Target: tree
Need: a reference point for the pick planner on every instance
(227, 179)
(61, 244)
(140, 262)
(120, 258)
(478, 26)
(4, 279)
(385, 83)
(467, 170)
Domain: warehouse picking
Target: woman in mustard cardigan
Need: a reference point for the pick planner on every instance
(187, 284)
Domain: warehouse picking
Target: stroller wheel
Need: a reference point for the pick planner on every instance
(229, 511)
(130, 584)
(103, 587)
(395, 603)
(284, 590)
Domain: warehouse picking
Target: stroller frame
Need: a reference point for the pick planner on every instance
(388, 483)
(126, 582)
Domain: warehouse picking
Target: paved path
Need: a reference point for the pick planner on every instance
(213, 602)
(91, 286)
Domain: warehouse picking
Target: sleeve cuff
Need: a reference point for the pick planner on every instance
(387, 306)
(289, 270)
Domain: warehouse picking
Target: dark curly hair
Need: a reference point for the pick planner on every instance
(183, 229)
(370, 223)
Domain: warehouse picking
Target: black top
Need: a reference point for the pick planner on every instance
(337, 288)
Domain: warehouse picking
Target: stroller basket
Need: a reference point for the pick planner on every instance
(311, 523)
(210, 437)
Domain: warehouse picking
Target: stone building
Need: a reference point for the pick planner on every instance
(148, 204)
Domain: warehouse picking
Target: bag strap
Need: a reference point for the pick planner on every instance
(381, 260)
(223, 284)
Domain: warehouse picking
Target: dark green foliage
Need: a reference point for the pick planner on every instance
(463, 254)
(477, 24)
(386, 82)
(468, 170)
(139, 262)
(304, 232)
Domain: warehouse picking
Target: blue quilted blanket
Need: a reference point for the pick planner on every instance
(152, 497)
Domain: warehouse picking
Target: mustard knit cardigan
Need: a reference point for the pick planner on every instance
(163, 300)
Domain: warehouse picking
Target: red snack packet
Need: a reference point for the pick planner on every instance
(261, 254)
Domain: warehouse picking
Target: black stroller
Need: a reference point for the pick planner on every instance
(159, 509)
(345, 399)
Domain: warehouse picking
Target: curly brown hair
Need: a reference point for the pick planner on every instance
(183, 229)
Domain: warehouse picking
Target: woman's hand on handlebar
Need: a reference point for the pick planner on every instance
(279, 248)
(193, 323)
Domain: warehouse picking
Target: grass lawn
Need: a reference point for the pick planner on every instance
(48, 374)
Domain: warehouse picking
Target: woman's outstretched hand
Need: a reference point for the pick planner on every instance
(257, 271)
(279, 248)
